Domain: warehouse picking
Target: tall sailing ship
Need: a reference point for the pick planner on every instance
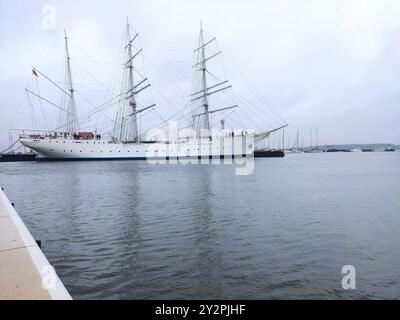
(68, 142)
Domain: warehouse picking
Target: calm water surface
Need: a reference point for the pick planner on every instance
(130, 230)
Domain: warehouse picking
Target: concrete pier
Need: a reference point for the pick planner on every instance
(25, 273)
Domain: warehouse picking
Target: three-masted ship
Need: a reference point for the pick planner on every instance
(69, 143)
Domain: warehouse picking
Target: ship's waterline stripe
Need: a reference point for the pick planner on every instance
(55, 288)
(180, 158)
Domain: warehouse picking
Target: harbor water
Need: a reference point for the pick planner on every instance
(132, 230)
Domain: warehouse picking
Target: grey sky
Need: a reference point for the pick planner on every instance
(334, 64)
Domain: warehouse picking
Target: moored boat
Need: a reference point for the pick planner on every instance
(126, 142)
(268, 153)
(16, 157)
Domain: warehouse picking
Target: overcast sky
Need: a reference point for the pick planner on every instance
(329, 64)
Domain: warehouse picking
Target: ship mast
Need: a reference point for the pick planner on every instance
(125, 125)
(72, 124)
(204, 81)
(131, 87)
(201, 120)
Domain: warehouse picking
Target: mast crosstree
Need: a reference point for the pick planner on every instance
(126, 124)
(200, 121)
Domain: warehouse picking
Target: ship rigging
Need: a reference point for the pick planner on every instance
(67, 141)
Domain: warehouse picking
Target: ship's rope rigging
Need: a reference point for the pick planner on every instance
(273, 114)
(178, 113)
(36, 85)
(234, 95)
(261, 109)
(85, 116)
(11, 147)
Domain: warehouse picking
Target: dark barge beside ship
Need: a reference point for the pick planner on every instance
(16, 157)
(265, 153)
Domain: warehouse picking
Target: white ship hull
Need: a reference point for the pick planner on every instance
(68, 149)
